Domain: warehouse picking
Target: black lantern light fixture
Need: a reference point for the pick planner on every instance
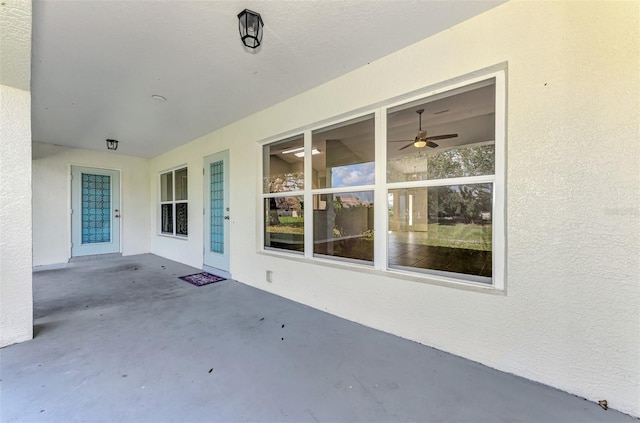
(250, 26)
(112, 144)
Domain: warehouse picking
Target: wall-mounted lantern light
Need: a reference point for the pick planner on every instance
(250, 26)
(112, 144)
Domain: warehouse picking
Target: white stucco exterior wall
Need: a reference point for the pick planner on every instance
(570, 314)
(52, 200)
(16, 298)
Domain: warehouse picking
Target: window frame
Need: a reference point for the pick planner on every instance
(265, 195)
(173, 202)
(319, 128)
(381, 188)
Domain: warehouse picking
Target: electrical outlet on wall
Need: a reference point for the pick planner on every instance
(269, 276)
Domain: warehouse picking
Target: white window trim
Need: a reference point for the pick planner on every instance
(173, 202)
(381, 188)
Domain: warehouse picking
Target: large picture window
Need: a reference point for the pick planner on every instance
(440, 178)
(174, 203)
(434, 166)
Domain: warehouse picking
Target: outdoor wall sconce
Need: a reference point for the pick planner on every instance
(112, 144)
(250, 25)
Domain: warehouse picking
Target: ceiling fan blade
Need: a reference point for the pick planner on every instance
(406, 146)
(432, 144)
(441, 137)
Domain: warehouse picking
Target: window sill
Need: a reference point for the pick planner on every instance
(181, 237)
(390, 273)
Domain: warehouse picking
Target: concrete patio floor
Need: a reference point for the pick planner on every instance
(124, 340)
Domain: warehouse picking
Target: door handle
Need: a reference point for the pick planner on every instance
(226, 218)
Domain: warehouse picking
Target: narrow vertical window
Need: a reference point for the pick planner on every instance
(343, 182)
(283, 202)
(174, 203)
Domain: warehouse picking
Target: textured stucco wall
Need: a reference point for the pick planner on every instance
(15, 43)
(16, 299)
(16, 305)
(52, 200)
(570, 316)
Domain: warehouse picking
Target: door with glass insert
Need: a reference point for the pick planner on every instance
(216, 211)
(95, 211)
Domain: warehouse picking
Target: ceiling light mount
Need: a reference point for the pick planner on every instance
(250, 26)
(112, 144)
(419, 141)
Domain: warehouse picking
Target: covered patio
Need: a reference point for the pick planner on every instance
(123, 339)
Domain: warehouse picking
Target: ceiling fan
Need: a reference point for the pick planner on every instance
(421, 140)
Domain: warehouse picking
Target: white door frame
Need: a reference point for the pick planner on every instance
(215, 262)
(78, 248)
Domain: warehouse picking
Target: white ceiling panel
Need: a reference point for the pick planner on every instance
(96, 64)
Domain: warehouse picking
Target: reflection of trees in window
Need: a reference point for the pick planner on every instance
(458, 162)
(272, 218)
(284, 207)
(284, 224)
(337, 203)
(460, 203)
(293, 181)
(452, 163)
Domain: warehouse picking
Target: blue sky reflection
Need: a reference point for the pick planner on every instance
(353, 175)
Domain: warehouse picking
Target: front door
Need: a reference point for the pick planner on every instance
(216, 212)
(95, 211)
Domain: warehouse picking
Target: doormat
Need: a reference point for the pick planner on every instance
(200, 279)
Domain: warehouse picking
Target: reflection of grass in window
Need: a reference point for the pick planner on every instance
(460, 235)
(291, 221)
(288, 225)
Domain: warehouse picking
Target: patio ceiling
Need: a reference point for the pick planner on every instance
(97, 64)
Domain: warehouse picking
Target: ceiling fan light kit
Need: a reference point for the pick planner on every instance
(421, 140)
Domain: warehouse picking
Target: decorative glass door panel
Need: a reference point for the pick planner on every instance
(217, 212)
(96, 208)
(95, 211)
(216, 170)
